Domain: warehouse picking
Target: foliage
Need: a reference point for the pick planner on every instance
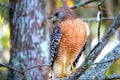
(4, 24)
(115, 68)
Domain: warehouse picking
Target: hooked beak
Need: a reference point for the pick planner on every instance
(53, 19)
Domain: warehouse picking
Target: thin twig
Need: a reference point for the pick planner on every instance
(11, 68)
(82, 4)
(99, 16)
(103, 62)
(99, 25)
(95, 7)
(100, 3)
(36, 67)
(93, 19)
(23, 72)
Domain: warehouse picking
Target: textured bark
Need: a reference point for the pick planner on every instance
(29, 46)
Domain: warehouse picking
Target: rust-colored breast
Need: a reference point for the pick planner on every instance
(70, 43)
(73, 39)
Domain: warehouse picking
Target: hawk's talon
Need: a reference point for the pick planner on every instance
(72, 69)
(62, 75)
(63, 72)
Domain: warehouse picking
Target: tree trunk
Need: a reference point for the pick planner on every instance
(29, 45)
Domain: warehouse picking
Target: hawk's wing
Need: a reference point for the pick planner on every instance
(54, 44)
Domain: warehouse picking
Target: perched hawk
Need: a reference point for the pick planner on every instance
(67, 40)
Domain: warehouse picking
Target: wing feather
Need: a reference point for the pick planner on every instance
(54, 44)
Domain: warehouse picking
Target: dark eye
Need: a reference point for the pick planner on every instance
(56, 14)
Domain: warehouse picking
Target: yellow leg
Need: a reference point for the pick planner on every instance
(63, 71)
(72, 68)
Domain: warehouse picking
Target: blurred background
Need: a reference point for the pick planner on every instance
(87, 13)
(4, 38)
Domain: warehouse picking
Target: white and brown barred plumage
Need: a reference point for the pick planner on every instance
(54, 44)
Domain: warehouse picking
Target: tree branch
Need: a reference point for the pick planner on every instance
(98, 71)
(36, 67)
(82, 4)
(11, 68)
(22, 72)
(99, 18)
(96, 50)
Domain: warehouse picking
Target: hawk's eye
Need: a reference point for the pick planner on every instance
(56, 14)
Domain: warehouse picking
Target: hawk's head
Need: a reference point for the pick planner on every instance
(62, 14)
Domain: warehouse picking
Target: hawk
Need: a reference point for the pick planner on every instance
(67, 40)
